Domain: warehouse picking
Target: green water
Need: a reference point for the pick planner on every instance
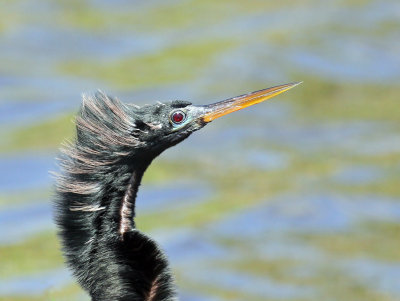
(293, 199)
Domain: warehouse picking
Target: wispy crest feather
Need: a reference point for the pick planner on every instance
(104, 136)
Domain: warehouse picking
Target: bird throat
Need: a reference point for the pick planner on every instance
(127, 210)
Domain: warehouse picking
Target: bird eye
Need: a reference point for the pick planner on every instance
(178, 117)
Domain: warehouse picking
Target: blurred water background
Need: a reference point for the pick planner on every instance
(293, 199)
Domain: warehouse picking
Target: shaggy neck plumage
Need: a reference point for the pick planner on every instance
(95, 208)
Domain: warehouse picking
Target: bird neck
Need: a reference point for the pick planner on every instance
(110, 257)
(120, 197)
(127, 207)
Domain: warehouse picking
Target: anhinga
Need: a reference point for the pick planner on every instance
(100, 176)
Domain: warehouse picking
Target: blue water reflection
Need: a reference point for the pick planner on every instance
(310, 214)
(25, 171)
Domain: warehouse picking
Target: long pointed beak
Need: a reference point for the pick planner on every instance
(221, 108)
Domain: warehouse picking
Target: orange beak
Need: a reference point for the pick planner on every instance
(221, 108)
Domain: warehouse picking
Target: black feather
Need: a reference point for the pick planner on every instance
(100, 174)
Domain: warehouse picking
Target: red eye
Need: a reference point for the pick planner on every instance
(177, 117)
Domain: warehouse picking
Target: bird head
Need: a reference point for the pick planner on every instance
(163, 125)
